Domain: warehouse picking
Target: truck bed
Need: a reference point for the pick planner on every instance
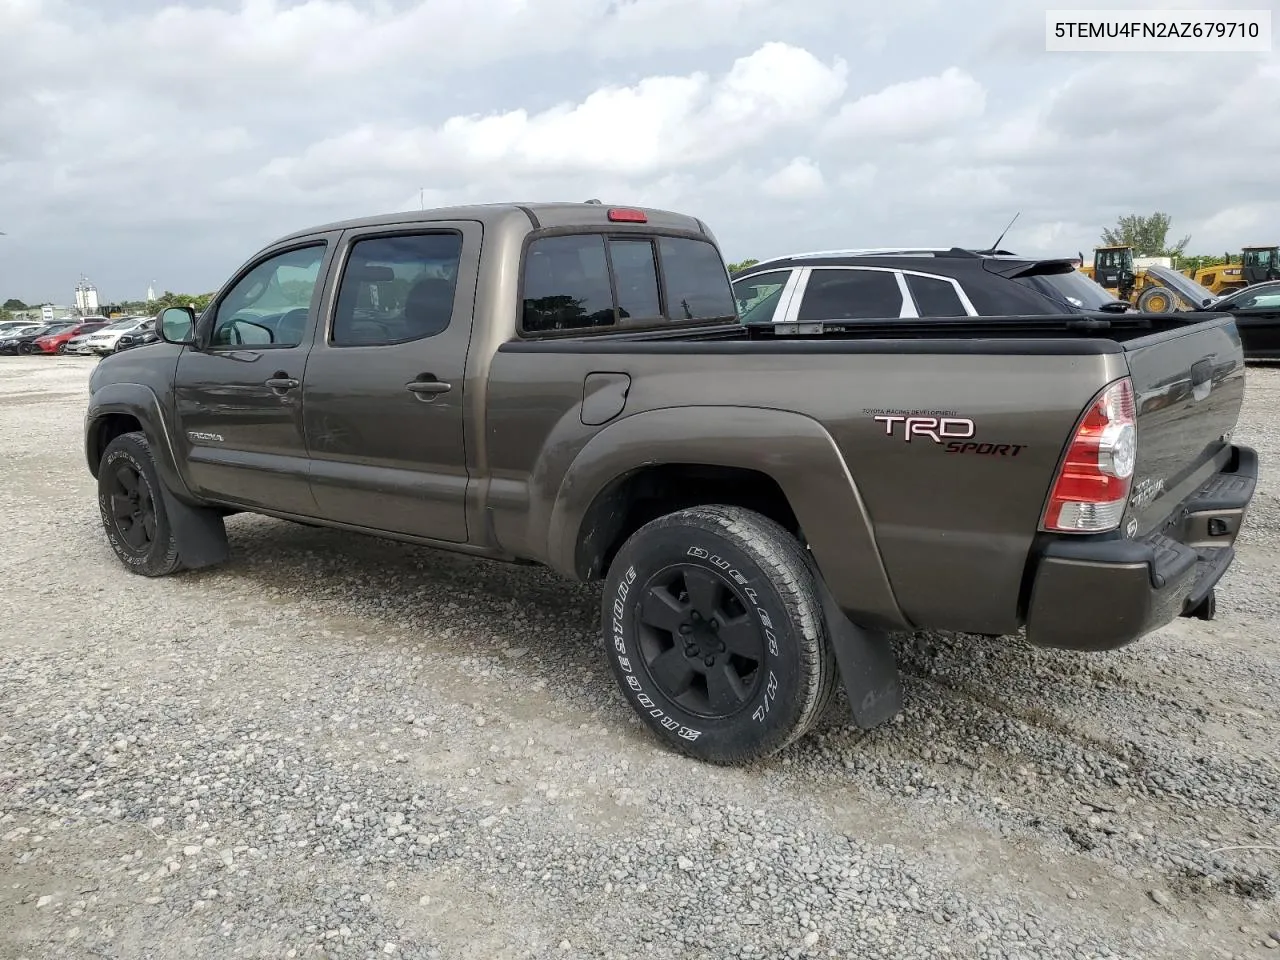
(950, 528)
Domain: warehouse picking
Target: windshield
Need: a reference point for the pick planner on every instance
(1181, 284)
(1071, 287)
(1258, 258)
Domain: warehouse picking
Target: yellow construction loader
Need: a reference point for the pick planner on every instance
(1151, 288)
(1257, 265)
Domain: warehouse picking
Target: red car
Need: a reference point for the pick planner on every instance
(57, 342)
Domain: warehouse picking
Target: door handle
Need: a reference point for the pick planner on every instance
(282, 383)
(428, 388)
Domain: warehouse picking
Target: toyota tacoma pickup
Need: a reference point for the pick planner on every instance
(569, 384)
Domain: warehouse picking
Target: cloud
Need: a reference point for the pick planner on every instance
(220, 124)
(913, 110)
(659, 123)
(798, 180)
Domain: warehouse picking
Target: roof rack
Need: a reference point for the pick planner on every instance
(958, 252)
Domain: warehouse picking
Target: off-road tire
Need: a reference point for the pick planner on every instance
(764, 584)
(1154, 293)
(130, 454)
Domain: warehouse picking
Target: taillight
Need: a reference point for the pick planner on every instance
(1092, 486)
(627, 215)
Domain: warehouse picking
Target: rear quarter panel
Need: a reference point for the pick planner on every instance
(951, 530)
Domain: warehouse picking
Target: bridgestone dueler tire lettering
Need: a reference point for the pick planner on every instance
(768, 564)
(162, 557)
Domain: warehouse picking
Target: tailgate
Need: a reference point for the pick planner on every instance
(1188, 385)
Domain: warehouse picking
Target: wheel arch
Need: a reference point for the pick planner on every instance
(120, 408)
(782, 464)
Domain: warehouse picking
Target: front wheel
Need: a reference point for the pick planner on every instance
(715, 633)
(1155, 300)
(131, 503)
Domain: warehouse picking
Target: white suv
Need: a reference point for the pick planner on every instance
(104, 341)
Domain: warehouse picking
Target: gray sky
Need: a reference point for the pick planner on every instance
(168, 141)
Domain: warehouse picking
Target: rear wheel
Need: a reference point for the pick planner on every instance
(715, 633)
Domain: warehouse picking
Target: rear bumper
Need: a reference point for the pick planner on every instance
(1104, 594)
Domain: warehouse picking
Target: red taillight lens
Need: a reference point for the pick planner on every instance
(623, 215)
(1092, 486)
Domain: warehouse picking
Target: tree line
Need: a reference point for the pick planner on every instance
(127, 307)
(1148, 235)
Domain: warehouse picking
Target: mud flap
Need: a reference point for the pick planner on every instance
(868, 668)
(200, 533)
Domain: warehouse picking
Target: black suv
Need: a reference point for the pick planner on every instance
(839, 286)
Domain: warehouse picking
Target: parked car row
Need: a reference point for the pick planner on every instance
(96, 336)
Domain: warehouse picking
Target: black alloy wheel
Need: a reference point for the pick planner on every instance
(697, 641)
(714, 631)
(133, 508)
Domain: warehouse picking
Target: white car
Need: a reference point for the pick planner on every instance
(104, 341)
(78, 346)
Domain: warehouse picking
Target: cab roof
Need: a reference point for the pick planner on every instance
(538, 215)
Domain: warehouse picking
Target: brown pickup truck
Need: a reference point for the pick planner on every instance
(569, 384)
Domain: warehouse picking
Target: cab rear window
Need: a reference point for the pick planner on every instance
(581, 281)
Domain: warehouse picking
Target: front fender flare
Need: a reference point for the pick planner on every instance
(140, 402)
(796, 451)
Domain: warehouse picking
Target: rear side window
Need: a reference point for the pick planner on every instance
(850, 295)
(591, 280)
(397, 289)
(935, 297)
(697, 283)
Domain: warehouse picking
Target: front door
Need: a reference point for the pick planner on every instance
(239, 396)
(1258, 320)
(384, 390)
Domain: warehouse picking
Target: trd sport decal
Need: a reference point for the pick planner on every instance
(954, 434)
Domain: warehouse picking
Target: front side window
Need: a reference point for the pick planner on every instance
(758, 296)
(835, 295)
(271, 304)
(1265, 299)
(935, 297)
(397, 289)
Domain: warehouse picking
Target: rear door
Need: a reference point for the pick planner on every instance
(384, 393)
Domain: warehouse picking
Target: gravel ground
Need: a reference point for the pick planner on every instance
(339, 747)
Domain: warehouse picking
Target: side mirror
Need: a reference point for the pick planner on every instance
(177, 325)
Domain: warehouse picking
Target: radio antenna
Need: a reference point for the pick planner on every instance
(996, 246)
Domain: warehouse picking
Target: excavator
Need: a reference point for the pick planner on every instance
(1257, 265)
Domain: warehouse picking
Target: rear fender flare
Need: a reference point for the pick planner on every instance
(140, 402)
(796, 451)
